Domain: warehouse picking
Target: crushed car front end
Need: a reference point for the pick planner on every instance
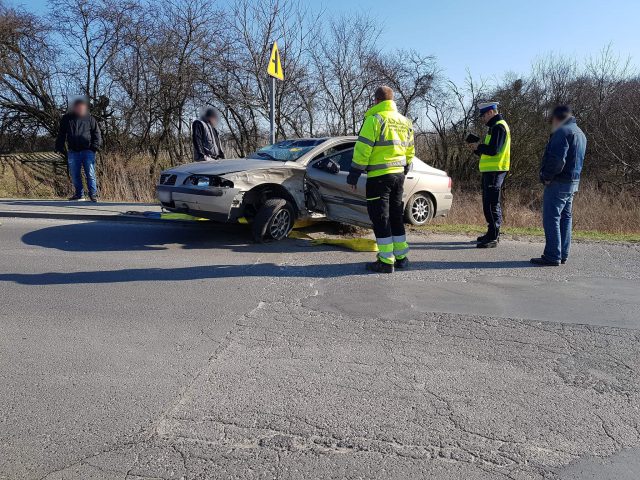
(203, 195)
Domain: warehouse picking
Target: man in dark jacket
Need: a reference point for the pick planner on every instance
(79, 137)
(206, 141)
(560, 173)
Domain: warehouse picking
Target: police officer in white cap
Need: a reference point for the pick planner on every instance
(495, 158)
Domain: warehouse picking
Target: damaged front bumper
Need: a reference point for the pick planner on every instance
(222, 204)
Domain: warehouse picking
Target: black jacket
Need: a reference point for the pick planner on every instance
(498, 137)
(206, 141)
(78, 134)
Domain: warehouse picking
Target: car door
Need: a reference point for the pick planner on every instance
(340, 202)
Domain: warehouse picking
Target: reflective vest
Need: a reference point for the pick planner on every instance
(385, 143)
(501, 161)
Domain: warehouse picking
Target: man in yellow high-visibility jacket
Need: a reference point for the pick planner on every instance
(495, 160)
(384, 151)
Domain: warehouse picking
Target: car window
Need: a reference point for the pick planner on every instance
(287, 150)
(344, 159)
(336, 148)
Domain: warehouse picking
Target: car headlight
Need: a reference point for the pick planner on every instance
(208, 181)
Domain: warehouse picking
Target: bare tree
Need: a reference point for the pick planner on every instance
(343, 61)
(28, 75)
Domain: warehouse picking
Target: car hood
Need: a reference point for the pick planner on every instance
(220, 167)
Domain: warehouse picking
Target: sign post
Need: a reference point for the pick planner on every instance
(274, 70)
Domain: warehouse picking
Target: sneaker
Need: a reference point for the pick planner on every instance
(544, 262)
(76, 198)
(93, 198)
(488, 244)
(380, 267)
(403, 263)
(563, 261)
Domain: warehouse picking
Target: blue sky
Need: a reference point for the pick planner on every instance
(496, 36)
(492, 38)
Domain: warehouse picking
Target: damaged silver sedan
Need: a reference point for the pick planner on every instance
(302, 179)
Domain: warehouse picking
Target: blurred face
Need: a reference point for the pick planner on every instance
(555, 123)
(80, 109)
(213, 121)
(486, 116)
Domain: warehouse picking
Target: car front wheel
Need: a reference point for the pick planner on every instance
(419, 209)
(273, 221)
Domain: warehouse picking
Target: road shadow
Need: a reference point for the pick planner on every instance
(206, 272)
(105, 236)
(109, 236)
(442, 245)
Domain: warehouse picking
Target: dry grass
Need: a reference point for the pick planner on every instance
(120, 178)
(593, 210)
(127, 178)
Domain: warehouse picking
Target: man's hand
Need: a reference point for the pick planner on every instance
(473, 146)
(352, 180)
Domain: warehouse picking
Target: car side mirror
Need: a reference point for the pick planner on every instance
(328, 165)
(333, 167)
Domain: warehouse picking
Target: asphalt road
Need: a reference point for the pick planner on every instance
(136, 351)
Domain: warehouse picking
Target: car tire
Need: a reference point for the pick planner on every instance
(274, 220)
(419, 210)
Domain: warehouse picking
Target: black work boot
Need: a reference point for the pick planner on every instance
(380, 267)
(482, 238)
(544, 262)
(488, 237)
(403, 263)
(488, 243)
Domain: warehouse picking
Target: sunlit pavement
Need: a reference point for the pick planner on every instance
(164, 351)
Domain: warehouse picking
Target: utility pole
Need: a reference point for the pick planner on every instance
(272, 113)
(274, 70)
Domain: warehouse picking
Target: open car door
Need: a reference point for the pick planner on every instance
(329, 193)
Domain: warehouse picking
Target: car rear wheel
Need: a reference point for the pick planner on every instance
(274, 220)
(419, 209)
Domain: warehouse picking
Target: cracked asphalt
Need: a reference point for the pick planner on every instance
(137, 351)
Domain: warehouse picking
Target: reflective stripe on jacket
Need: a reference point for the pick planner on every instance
(501, 161)
(385, 143)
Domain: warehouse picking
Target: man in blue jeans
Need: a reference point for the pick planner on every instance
(79, 136)
(560, 174)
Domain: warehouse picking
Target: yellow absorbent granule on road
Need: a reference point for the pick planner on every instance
(307, 222)
(357, 244)
(181, 216)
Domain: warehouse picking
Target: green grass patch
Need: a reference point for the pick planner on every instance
(531, 232)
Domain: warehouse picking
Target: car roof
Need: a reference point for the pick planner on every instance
(324, 139)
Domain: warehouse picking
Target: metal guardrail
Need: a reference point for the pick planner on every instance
(34, 157)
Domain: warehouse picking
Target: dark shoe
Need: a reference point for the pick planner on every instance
(487, 238)
(93, 198)
(402, 264)
(544, 262)
(76, 198)
(380, 267)
(488, 244)
(563, 261)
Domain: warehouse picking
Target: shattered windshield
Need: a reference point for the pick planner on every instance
(287, 150)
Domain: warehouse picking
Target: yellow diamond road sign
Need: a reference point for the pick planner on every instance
(275, 67)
